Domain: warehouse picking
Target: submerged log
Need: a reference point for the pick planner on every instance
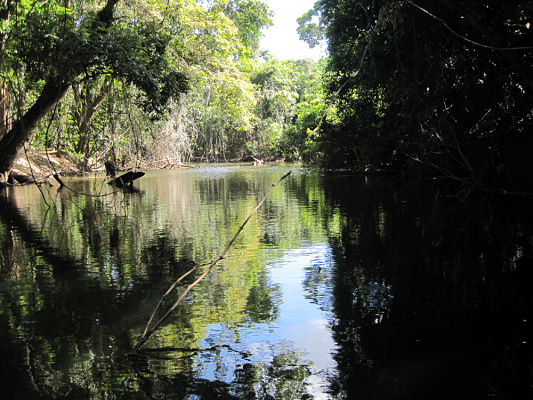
(126, 180)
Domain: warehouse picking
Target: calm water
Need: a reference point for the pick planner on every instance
(341, 287)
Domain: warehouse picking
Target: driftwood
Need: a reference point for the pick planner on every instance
(126, 180)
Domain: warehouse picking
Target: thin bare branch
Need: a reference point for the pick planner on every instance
(485, 46)
(148, 332)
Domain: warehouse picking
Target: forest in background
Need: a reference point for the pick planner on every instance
(177, 80)
(426, 88)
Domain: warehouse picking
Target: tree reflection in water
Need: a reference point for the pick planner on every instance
(431, 297)
(416, 297)
(79, 281)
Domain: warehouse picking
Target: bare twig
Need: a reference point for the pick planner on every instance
(170, 289)
(33, 176)
(147, 331)
(195, 350)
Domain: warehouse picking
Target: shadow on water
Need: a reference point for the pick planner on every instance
(341, 288)
(432, 298)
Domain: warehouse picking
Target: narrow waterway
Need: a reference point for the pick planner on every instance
(341, 287)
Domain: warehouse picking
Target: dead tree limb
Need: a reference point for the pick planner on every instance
(58, 179)
(149, 331)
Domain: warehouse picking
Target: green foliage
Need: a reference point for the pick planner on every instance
(310, 28)
(213, 120)
(140, 59)
(443, 86)
(290, 103)
(49, 47)
(298, 142)
(250, 17)
(128, 82)
(58, 46)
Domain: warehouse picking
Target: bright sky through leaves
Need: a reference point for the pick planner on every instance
(281, 39)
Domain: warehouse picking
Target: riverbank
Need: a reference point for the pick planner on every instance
(40, 166)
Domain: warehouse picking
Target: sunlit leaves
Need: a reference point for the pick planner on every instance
(250, 17)
(310, 28)
(285, 89)
(236, 106)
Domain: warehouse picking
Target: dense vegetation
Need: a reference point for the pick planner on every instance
(180, 80)
(434, 86)
(440, 89)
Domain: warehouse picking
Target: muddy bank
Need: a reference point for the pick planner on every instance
(41, 166)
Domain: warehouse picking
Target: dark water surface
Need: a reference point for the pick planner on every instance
(342, 287)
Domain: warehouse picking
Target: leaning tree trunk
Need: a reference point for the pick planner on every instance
(11, 143)
(13, 140)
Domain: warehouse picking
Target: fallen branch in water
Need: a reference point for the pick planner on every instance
(58, 179)
(149, 331)
(126, 180)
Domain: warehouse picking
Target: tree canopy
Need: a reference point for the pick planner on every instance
(441, 85)
(432, 88)
(176, 80)
(49, 46)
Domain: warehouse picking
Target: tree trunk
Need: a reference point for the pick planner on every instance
(88, 107)
(4, 109)
(13, 140)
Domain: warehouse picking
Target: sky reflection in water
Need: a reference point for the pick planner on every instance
(301, 327)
